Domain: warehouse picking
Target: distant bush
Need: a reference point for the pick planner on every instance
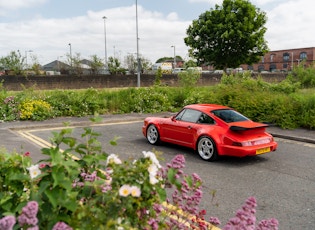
(305, 76)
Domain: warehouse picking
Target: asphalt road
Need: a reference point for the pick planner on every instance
(283, 182)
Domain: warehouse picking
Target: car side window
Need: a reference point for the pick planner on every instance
(205, 119)
(189, 115)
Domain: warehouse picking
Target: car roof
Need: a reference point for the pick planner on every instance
(206, 107)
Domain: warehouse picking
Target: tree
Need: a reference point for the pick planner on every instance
(132, 64)
(229, 35)
(96, 64)
(13, 62)
(190, 63)
(114, 66)
(75, 64)
(165, 59)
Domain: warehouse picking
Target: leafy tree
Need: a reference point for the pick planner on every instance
(131, 63)
(114, 66)
(229, 35)
(75, 64)
(36, 67)
(145, 64)
(96, 64)
(164, 59)
(190, 63)
(13, 62)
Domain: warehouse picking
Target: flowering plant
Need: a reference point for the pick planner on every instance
(82, 187)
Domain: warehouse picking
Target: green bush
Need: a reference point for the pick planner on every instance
(284, 104)
(305, 76)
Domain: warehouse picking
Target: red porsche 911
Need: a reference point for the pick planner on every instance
(212, 131)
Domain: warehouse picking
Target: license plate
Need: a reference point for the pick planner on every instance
(263, 150)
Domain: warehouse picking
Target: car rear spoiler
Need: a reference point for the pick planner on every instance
(242, 128)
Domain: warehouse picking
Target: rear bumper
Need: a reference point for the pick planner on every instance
(228, 150)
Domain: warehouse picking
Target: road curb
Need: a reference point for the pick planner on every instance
(294, 138)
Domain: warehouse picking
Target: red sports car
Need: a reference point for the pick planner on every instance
(212, 130)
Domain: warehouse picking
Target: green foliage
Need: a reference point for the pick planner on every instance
(151, 100)
(96, 64)
(188, 78)
(303, 76)
(229, 35)
(158, 76)
(13, 62)
(284, 104)
(114, 66)
(13, 180)
(86, 188)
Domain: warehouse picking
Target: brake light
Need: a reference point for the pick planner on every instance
(253, 143)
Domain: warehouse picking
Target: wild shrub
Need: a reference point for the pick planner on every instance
(306, 76)
(188, 78)
(151, 100)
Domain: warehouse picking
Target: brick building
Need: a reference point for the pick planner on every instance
(283, 60)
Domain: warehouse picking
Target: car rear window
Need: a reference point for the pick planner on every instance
(229, 115)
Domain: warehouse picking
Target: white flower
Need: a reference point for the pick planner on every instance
(113, 158)
(152, 158)
(124, 190)
(135, 191)
(34, 171)
(153, 169)
(153, 179)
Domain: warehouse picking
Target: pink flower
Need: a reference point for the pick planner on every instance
(7, 222)
(28, 215)
(61, 226)
(27, 154)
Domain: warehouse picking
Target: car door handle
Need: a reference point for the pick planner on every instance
(189, 127)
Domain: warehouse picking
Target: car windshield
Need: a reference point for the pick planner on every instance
(229, 115)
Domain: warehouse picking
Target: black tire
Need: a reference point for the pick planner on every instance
(206, 149)
(153, 135)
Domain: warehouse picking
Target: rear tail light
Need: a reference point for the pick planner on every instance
(253, 143)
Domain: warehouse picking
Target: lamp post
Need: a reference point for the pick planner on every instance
(174, 57)
(70, 54)
(105, 40)
(138, 58)
(27, 51)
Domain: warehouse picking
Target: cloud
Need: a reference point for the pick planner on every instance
(289, 26)
(49, 38)
(6, 6)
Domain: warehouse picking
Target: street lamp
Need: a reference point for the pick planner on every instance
(105, 40)
(27, 51)
(174, 57)
(138, 58)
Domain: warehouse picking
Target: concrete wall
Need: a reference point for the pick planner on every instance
(17, 83)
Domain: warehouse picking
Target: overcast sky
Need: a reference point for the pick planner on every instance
(46, 27)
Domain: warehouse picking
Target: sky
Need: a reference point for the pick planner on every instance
(43, 29)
